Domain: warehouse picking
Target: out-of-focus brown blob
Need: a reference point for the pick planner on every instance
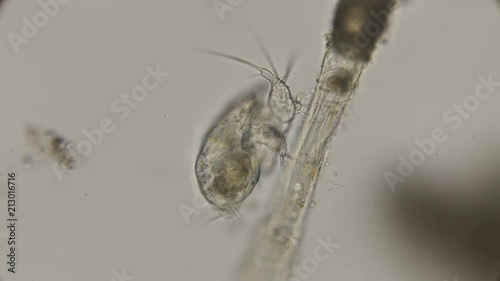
(48, 143)
(458, 222)
(486, 238)
(476, 222)
(358, 26)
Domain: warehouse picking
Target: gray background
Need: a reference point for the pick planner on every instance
(120, 208)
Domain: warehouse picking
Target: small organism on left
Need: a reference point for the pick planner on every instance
(46, 143)
(232, 154)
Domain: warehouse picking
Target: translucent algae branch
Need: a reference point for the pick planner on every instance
(357, 27)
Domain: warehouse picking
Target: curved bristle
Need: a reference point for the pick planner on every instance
(289, 66)
(231, 57)
(265, 52)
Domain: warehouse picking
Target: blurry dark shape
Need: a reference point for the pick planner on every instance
(486, 238)
(47, 143)
(358, 26)
(455, 222)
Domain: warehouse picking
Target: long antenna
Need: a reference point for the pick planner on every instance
(265, 52)
(291, 62)
(231, 57)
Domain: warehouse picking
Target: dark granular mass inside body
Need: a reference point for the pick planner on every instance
(234, 178)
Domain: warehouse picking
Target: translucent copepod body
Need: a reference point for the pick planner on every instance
(227, 167)
(229, 163)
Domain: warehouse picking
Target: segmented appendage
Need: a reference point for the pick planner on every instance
(281, 102)
(270, 137)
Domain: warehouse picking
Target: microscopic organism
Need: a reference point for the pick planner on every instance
(230, 160)
(48, 144)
